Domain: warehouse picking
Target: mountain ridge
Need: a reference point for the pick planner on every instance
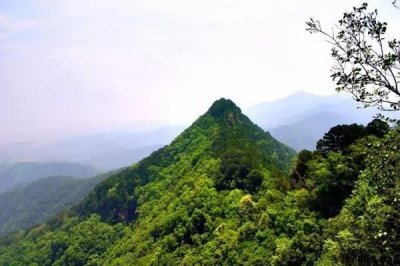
(179, 200)
(34, 203)
(222, 127)
(12, 175)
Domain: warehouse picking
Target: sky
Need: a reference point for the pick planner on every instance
(71, 67)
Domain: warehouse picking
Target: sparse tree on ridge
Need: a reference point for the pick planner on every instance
(367, 64)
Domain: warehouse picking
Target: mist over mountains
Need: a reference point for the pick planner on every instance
(104, 151)
(301, 119)
(298, 120)
(21, 173)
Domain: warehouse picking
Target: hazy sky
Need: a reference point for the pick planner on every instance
(79, 66)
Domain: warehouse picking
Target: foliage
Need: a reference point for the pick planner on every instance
(367, 230)
(301, 166)
(378, 128)
(340, 137)
(367, 64)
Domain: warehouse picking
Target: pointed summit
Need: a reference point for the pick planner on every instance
(223, 106)
(225, 111)
(222, 145)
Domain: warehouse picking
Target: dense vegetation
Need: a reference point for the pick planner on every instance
(15, 174)
(38, 201)
(223, 194)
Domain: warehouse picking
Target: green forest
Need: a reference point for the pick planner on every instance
(226, 193)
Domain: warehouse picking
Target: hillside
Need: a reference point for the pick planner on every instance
(180, 194)
(16, 174)
(222, 144)
(222, 194)
(38, 201)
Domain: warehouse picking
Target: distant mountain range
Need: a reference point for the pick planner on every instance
(301, 119)
(298, 120)
(120, 157)
(16, 174)
(104, 151)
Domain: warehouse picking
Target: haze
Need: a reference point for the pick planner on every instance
(72, 67)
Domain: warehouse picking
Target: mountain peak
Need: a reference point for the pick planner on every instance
(302, 93)
(223, 145)
(173, 195)
(222, 107)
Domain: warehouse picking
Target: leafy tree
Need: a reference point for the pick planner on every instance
(367, 64)
(331, 181)
(378, 127)
(340, 137)
(301, 167)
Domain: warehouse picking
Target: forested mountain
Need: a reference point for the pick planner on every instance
(224, 192)
(181, 193)
(15, 174)
(38, 201)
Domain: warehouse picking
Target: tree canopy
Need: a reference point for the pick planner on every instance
(340, 137)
